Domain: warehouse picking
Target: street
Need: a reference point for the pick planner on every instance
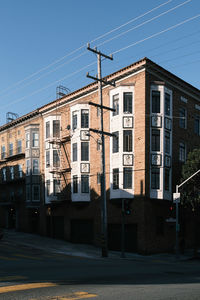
(28, 273)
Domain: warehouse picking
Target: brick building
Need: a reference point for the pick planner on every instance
(50, 164)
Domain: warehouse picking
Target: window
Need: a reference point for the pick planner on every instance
(19, 146)
(56, 158)
(74, 152)
(127, 178)
(127, 103)
(10, 149)
(20, 172)
(35, 139)
(28, 192)
(167, 142)
(84, 151)
(47, 130)
(116, 104)
(56, 187)
(75, 184)
(74, 120)
(115, 142)
(155, 140)
(48, 186)
(197, 125)
(167, 104)
(4, 174)
(28, 169)
(28, 140)
(182, 152)
(56, 128)
(115, 179)
(155, 108)
(35, 166)
(182, 117)
(12, 173)
(47, 159)
(84, 118)
(167, 179)
(3, 152)
(127, 141)
(84, 183)
(98, 144)
(155, 178)
(36, 192)
(98, 178)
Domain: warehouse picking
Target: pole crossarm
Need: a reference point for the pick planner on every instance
(98, 52)
(101, 106)
(100, 79)
(101, 132)
(178, 186)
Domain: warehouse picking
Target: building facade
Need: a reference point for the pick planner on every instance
(50, 164)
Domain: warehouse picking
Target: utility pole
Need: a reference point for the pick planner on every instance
(103, 182)
(176, 198)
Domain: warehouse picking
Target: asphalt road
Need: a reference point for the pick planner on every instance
(27, 273)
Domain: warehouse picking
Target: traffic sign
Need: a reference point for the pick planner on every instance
(176, 197)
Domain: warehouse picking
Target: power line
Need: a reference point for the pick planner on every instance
(145, 22)
(117, 51)
(83, 46)
(157, 34)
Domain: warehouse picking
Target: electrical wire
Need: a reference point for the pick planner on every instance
(83, 46)
(117, 51)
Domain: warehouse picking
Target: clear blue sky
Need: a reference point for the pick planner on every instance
(36, 33)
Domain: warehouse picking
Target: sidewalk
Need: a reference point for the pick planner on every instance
(82, 250)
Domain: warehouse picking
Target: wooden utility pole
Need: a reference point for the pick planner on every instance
(103, 175)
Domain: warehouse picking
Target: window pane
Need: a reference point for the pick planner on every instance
(35, 166)
(182, 152)
(167, 104)
(74, 120)
(155, 141)
(167, 142)
(127, 141)
(3, 152)
(115, 179)
(84, 151)
(116, 105)
(35, 139)
(20, 172)
(11, 149)
(48, 185)
(47, 159)
(27, 140)
(56, 128)
(116, 142)
(197, 125)
(75, 184)
(167, 176)
(74, 152)
(155, 108)
(182, 117)
(155, 178)
(127, 178)
(56, 158)
(56, 187)
(128, 103)
(19, 146)
(84, 118)
(47, 130)
(84, 183)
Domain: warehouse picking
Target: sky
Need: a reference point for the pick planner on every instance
(44, 44)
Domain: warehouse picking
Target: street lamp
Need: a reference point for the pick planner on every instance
(176, 198)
